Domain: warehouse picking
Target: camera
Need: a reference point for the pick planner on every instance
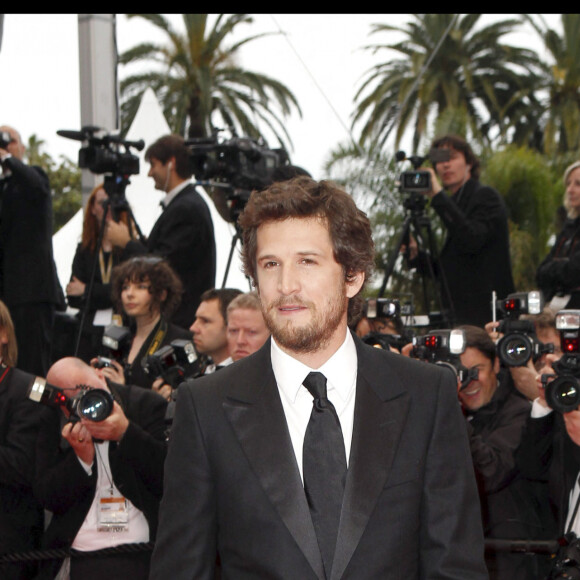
(563, 393)
(117, 339)
(443, 348)
(567, 561)
(382, 308)
(90, 403)
(239, 165)
(419, 180)
(104, 154)
(520, 343)
(174, 362)
(5, 139)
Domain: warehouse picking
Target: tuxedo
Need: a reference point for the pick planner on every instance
(410, 506)
(184, 235)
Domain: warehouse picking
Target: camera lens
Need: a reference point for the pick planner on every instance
(563, 394)
(95, 405)
(515, 350)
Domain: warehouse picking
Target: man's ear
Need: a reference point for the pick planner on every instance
(354, 283)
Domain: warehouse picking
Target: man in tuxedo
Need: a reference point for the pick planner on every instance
(29, 284)
(183, 233)
(317, 456)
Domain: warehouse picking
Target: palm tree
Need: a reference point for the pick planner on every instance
(449, 66)
(562, 82)
(199, 84)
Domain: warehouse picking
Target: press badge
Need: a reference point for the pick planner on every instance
(113, 514)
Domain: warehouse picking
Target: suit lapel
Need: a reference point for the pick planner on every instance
(257, 417)
(380, 412)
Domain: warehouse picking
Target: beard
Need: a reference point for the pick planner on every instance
(316, 334)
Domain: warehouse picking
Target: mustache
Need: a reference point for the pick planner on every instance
(285, 301)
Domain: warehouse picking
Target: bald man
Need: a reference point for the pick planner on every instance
(102, 480)
(28, 281)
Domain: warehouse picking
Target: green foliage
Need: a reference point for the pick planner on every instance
(65, 182)
(199, 84)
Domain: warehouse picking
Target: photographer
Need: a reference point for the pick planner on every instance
(475, 258)
(102, 480)
(147, 291)
(495, 416)
(28, 282)
(21, 516)
(99, 302)
(183, 233)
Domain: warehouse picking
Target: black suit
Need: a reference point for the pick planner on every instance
(28, 282)
(184, 235)
(410, 507)
(21, 516)
(64, 487)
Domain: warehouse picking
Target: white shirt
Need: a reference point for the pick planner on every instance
(88, 537)
(340, 371)
(211, 368)
(170, 196)
(539, 411)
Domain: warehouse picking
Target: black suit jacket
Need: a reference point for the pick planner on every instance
(184, 235)
(21, 516)
(64, 488)
(410, 508)
(476, 254)
(27, 268)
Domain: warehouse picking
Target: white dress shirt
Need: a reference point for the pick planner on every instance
(340, 371)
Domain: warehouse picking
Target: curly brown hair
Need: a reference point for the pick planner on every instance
(303, 197)
(165, 286)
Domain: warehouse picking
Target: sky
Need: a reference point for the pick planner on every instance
(320, 58)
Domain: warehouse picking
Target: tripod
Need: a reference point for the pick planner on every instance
(417, 220)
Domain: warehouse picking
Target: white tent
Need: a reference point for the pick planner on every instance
(150, 124)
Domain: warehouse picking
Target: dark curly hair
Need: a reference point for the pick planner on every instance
(459, 144)
(303, 197)
(160, 276)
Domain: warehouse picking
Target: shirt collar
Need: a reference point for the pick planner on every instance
(340, 369)
(170, 196)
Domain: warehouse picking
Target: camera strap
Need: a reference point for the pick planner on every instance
(160, 333)
(3, 371)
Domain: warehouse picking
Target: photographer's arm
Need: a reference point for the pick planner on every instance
(33, 179)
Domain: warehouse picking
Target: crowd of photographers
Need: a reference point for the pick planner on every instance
(77, 468)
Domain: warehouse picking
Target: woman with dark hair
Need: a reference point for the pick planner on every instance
(147, 291)
(21, 517)
(558, 275)
(94, 301)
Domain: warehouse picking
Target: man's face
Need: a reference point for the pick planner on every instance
(15, 147)
(161, 173)
(455, 172)
(479, 393)
(209, 328)
(246, 332)
(302, 288)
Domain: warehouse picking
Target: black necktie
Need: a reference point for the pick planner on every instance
(324, 468)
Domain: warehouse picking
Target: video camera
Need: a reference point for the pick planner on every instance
(390, 310)
(520, 343)
(174, 362)
(563, 393)
(443, 348)
(238, 165)
(418, 181)
(90, 403)
(117, 339)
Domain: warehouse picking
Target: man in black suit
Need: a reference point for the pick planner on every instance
(102, 480)
(368, 477)
(183, 233)
(28, 281)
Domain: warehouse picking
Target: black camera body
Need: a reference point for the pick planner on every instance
(174, 362)
(563, 393)
(117, 340)
(567, 561)
(90, 403)
(444, 348)
(382, 308)
(520, 343)
(238, 165)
